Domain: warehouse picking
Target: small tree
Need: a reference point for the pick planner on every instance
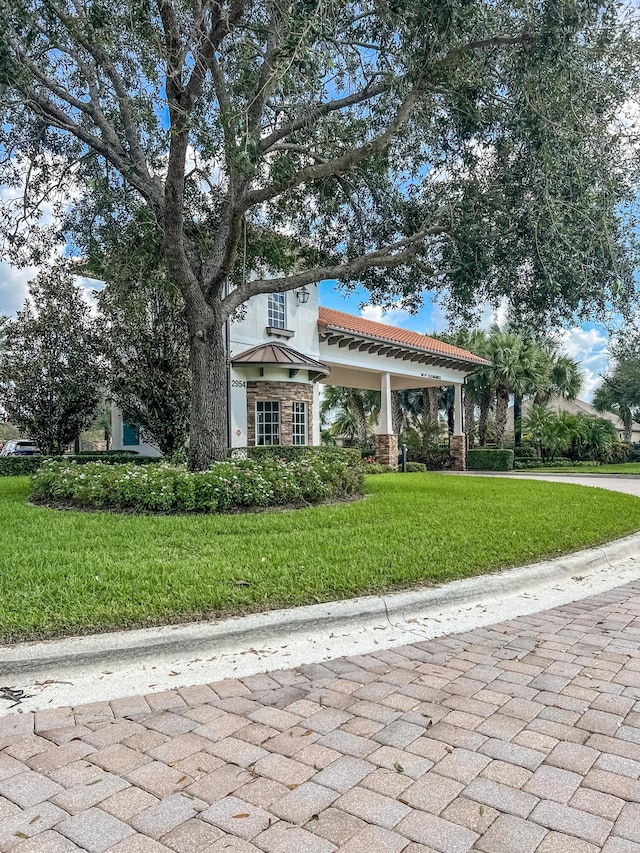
(146, 346)
(49, 366)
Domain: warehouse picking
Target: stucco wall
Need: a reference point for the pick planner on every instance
(144, 448)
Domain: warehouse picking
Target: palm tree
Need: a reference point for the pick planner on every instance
(620, 393)
(517, 368)
(477, 394)
(351, 411)
(600, 436)
(565, 378)
(408, 407)
(558, 376)
(536, 423)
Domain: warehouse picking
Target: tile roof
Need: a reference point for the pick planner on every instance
(328, 317)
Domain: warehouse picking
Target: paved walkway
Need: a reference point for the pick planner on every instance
(627, 483)
(521, 737)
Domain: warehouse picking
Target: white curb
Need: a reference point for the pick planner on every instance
(106, 666)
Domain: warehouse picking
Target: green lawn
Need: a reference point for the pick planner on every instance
(622, 468)
(64, 572)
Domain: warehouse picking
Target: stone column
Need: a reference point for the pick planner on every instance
(387, 450)
(458, 451)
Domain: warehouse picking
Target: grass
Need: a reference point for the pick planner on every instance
(67, 572)
(620, 468)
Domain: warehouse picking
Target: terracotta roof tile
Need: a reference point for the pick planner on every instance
(328, 317)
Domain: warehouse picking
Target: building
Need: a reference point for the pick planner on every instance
(286, 345)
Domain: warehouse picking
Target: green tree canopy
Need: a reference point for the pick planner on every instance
(619, 392)
(50, 371)
(466, 146)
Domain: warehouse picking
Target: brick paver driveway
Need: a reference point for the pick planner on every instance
(517, 738)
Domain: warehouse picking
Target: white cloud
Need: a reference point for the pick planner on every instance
(13, 287)
(438, 321)
(579, 343)
(393, 316)
(494, 316)
(590, 348)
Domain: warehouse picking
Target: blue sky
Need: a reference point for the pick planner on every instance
(587, 343)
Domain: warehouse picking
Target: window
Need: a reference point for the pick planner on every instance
(267, 423)
(276, 317)
(299, 425)
(130, 434)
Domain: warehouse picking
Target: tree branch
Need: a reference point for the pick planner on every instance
(101, 58)
(340, 164)
(396, 254)
(311, 116)
(52, 113)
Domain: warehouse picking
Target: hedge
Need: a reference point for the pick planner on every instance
(416, 467)
(489, 459)
(436, 459)
(525, 452)
(559, 462)
(225, 487)
(18, 466)
(351, 455)
(370, 466)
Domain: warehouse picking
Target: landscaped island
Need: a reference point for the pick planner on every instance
(68, 572)
(240, 484)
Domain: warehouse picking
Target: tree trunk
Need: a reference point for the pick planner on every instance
(517, 419)
(208, 441)
(451, 414)
(502, 408)
(483, 421)
(361, 418)
(396, 413)
(469, 416)
(430, 404)
(426, 405)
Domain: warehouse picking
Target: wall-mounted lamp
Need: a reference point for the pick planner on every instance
(302, 295)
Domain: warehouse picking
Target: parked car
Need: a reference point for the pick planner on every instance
(19, 447)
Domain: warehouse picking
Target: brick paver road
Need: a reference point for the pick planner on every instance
(517, 738)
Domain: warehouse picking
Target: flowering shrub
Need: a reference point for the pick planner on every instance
(227, 486)
(370, 466)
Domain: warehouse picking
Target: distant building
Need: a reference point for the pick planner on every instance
(577, 407)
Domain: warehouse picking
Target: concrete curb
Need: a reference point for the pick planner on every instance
(136, 645)
(591, 475)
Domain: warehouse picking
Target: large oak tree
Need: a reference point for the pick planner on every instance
(465, 146)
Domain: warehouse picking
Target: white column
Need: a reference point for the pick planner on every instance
(315, 414)
(386, 417)
(457, 410)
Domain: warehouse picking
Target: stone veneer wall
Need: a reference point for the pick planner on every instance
(458, 451)
(285, 393)
(387, 450)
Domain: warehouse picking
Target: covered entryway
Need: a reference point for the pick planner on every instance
(369, 355)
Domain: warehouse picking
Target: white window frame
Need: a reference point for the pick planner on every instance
(273, 422)
(277, 311)
(299, 424)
